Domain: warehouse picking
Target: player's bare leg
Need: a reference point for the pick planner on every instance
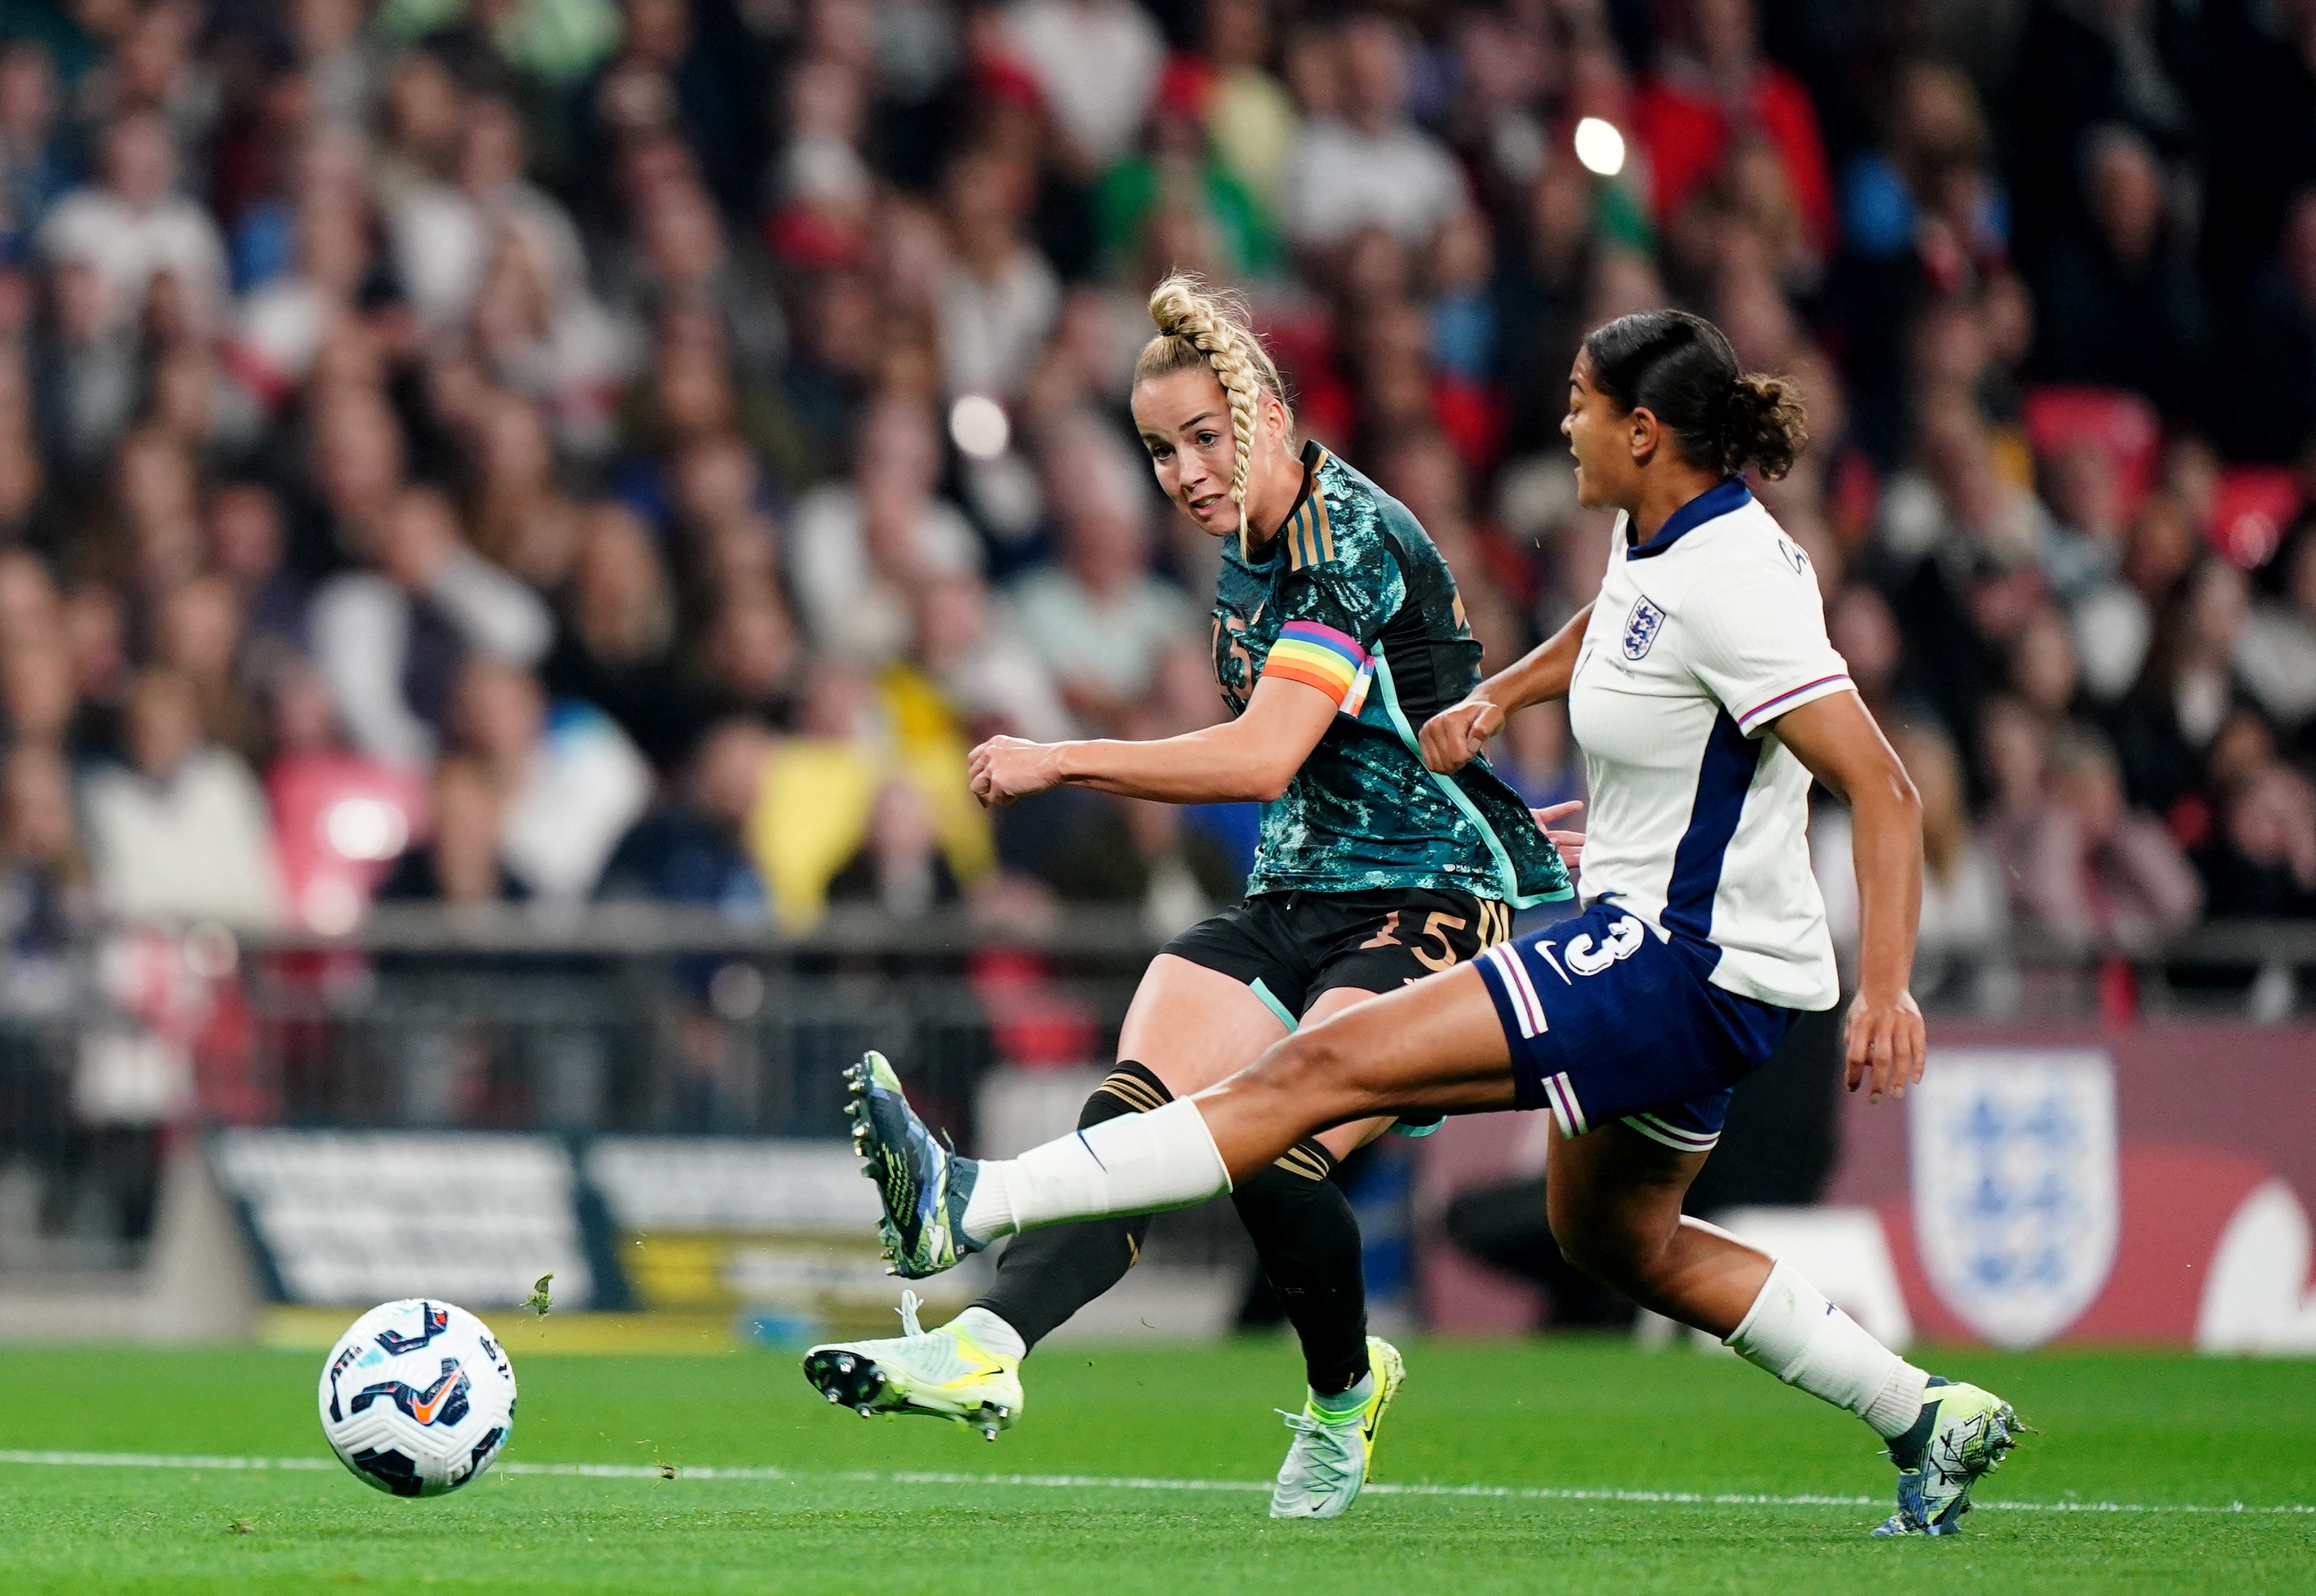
(1613, 1198)
(1616, 1202)
(1411, 1048)
(1188, 1027)
(1436, 1046)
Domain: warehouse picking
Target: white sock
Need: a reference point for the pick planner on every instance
(1136, 1163)
(1797, 1335)
(991, 1333)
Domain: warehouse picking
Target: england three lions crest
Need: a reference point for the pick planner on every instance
(1640, 627)
(2016, 1187)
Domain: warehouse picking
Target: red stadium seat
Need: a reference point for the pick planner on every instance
(2251, 507)
(339, 821)
(2060, 415)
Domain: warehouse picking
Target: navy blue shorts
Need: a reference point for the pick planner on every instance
(1608, 1020)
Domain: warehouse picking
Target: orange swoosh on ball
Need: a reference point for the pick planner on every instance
(427, 1406)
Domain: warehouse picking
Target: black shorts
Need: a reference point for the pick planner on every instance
(1291, 947)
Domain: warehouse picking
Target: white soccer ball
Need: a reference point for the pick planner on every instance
(417, 1397)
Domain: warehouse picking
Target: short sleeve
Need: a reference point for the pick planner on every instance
(1342, 584)
(1756, 638)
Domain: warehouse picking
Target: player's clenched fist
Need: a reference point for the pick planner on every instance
(1452, 738)
(1005, 769)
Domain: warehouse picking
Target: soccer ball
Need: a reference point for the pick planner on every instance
(417, 1397)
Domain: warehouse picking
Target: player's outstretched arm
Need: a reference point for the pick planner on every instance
(1253, 757)
(1454, 736)
(1837, 739)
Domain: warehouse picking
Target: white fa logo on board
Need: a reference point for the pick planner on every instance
(2016, 1187)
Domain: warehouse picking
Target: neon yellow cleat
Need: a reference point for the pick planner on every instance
(1963, 1435)
(943, 1373)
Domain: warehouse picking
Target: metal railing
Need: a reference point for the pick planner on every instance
(638, 1019)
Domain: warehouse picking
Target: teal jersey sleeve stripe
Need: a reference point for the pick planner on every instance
(1506, 877)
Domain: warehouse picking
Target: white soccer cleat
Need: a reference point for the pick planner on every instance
(943, 1373)
(1329, 1462)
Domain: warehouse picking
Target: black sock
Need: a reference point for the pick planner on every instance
(1302, 1229)
(1044, 1276)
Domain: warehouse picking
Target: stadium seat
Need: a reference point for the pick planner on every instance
(2251, 507)
(2125, 425)
(339, 821)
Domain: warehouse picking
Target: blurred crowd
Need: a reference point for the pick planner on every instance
(492, 450)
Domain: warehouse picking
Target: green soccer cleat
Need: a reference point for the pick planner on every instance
(1963, 1433)
(944, 1374)
(923, 1184)
(1330, 1458)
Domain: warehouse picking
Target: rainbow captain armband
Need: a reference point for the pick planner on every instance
(1321, 656)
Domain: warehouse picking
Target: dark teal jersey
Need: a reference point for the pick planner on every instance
(1351, 597)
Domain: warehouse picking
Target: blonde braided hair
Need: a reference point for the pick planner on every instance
(1199, 326)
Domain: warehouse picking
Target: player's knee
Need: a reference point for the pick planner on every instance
(1581, 1251)
(1568, 1229)
(1599, 1244)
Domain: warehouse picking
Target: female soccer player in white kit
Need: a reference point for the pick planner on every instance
(1705, 696)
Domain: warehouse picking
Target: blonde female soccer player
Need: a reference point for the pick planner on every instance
(1705, 696)
(1337, 632)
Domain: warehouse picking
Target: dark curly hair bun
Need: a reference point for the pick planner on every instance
(1766, 426)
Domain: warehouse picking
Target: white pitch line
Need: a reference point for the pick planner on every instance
(1080, 1481)
(157, 1460)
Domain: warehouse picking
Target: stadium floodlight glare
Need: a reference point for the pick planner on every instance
(1600, 148)
(978, 427)
(366, 828)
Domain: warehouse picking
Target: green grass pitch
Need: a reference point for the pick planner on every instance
(2146, 1432)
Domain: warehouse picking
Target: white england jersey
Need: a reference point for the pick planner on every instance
(1698, 819)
